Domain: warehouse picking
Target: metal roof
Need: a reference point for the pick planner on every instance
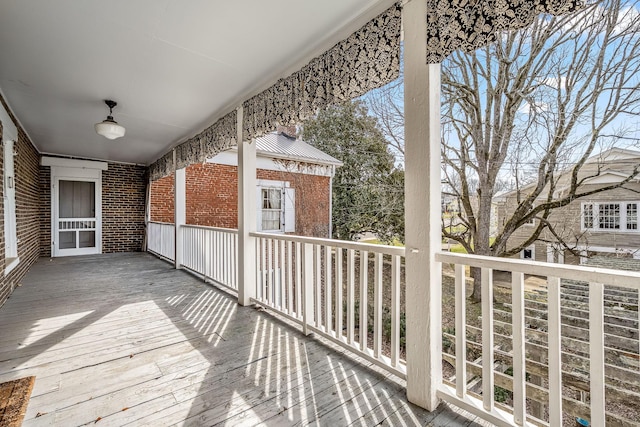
(278, 145)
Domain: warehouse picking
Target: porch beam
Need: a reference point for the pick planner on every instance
(180, 211)
(422, 212)
(247, 214)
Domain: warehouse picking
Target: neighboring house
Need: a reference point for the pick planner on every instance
(293, 192)
(603, 223)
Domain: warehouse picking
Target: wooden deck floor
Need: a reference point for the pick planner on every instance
(125, 339)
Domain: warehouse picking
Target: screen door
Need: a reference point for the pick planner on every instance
(76, 223)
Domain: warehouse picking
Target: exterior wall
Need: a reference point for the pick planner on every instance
(123, 204)
(45, 211)
(568, 219)
(162, 199)
(26, 164)
(212, 198)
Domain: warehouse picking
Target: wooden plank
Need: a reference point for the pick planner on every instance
(596, 362)
(328, 274)
(555, 352)
(339, 310)
(363, 329)
(395, 311)
(461, 333)
(350, 295)
(377, 315)
(487, 339)
(519, 366)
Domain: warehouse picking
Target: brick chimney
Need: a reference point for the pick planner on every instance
(288, 131)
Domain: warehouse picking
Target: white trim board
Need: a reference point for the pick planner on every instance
(73, 163)
(230, 158)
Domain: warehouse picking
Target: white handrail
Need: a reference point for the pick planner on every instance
(356, 246)
(627, 279)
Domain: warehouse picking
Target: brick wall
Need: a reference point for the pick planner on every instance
(123, 201)
(212, 198)
(45, 211)
(26, 164)
(162, 199)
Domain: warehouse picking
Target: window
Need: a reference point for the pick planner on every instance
(10, 232)
(622, 216)
(271, 209)
(276, 207)
(587, 216)
(609, 216)
(528, 253)
(632, 216)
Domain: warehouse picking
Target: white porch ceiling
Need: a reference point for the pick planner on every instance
(173, 66)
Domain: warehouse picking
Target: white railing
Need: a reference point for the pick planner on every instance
(566, 340)
(161, 239)
(347, 292)
(212, 252)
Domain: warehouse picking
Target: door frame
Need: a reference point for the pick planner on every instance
(81, 173)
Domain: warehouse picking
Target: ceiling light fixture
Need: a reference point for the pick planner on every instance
(109, 128)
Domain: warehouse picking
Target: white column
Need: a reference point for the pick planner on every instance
(246, 217)
(550, 253)
(179, 210)
(422, 211)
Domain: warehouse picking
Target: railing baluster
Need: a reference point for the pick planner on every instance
(212, 237)
(275, 279)
(395, 310)
(328, 271)
(596, 350)
(201, 250)
(307, 289)
(517, 327)
(461, 334)
(264, 272)
(235, 261)
(339, 311)
(290, 298)
(282, 277)
(555, 351)
(377, 312)
(487, 339)
(350, 294)
(364, 299)
(318, 284)
(224, 257)
(259, 258)
(217, 270)
(270, 270)
(298, 281)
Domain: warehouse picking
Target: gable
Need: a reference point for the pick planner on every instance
(609, 177)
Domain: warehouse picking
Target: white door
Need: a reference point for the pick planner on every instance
(77, 216)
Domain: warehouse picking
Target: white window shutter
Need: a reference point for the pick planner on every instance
(289, 210)
(259, 209)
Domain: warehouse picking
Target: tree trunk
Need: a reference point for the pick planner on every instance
(482, 235)
(476, 275)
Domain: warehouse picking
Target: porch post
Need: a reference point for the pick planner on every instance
(422, 211)
(180, 210)
(246, 216)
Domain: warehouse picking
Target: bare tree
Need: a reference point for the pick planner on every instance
(533, 108)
